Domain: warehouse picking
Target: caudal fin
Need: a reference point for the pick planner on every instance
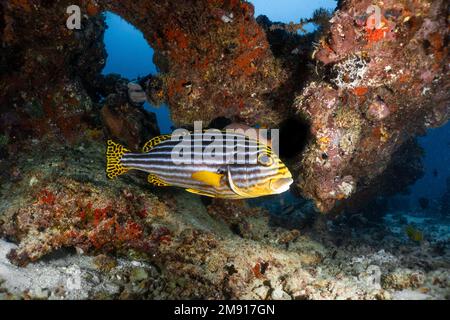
(114, 154)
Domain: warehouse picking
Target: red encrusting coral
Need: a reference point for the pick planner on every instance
(224, 49)
(260, 268)
(92, 223)
(47, 197)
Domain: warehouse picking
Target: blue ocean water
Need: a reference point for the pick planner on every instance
(128, 52)
(291, 10)
(436, 145)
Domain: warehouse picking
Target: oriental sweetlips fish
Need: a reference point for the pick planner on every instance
(259, 171)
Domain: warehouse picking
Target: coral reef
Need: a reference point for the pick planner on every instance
(164, 243)
(215, 59)
(387, 85)
(47, 71)
(129, 124)
(349, 99)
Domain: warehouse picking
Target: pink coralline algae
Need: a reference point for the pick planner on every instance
(378, 110)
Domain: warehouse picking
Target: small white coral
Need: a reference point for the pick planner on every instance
(350, 73)
(347, 188)
(227, 18)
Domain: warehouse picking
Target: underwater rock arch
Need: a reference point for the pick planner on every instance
(214, 58)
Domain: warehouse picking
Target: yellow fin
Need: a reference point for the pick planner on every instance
(114, 154)
(156, 181)
(200, 193)
(207, 177)
(154, 141)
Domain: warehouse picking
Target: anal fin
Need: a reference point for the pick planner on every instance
(201, 193)
(156, 181)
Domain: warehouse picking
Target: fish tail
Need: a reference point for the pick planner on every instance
(114, 154)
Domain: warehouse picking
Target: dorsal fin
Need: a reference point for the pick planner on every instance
(154, 142)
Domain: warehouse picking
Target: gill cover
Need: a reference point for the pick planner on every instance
(234, 187)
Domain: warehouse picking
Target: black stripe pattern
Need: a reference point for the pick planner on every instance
(175, 160)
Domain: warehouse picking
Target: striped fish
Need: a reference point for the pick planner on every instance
(241, 168)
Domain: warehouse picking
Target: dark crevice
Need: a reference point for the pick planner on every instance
(219, 123)
(2, 18)
(294, 136)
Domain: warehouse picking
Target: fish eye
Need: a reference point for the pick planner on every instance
(265, 160)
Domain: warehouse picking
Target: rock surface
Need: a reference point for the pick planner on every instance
(81, 236)
(382, 91)
(126, 123)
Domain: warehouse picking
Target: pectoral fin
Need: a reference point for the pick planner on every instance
(207, 177)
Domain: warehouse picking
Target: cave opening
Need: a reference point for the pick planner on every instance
(130, 56)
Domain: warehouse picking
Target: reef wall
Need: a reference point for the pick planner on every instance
(363, 91)
(47, 72)
(383, 86)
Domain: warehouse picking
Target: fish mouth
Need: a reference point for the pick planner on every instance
(281, 185)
